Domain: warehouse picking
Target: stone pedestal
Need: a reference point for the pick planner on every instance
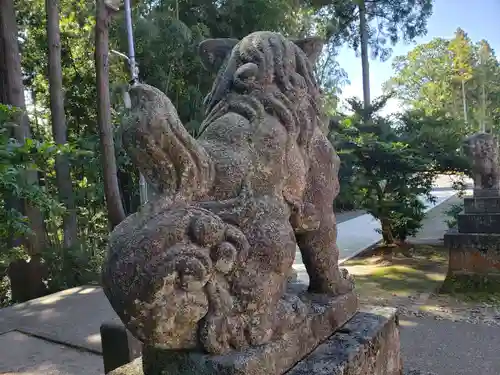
(475, 244)
(366, 345)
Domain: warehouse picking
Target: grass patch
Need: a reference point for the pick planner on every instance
(411, 272)
(473, 288)
(417, 275)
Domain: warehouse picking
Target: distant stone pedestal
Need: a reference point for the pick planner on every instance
(474, 246)
(368, 344)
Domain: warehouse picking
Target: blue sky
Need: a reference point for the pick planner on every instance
(479, 18)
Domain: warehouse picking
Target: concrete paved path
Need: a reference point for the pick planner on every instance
(72, 316)
(27, 355)
(360, 233)
(447, 348)
(56, 334)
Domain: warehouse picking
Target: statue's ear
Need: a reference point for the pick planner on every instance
(213, 52)
(311, 46)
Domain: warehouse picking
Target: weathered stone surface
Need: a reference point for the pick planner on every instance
(479, 223)
(476, 241)
(473, 254)
(132, 368)
(204, 267)
(485, 193)
(482, 205)
(367, 345)
(468, 261)
(474, 247)
(325, 315)
(483, 150)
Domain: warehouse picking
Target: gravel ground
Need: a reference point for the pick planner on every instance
(449, 348)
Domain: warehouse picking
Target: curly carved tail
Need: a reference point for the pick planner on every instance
(164, 269)
(159, 145)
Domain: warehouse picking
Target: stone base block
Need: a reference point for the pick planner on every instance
(482, 205)
(367, 344)
(479, 223)
(487, 192)
(476, 253)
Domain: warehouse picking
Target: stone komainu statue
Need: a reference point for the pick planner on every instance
(205, 265)
(483, 151)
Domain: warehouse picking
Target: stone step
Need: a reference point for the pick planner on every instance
(475, 241)
(479, 223)
(477, 205)
(483, 193)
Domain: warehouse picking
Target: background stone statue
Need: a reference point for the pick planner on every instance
(205, 265)
(483, 151)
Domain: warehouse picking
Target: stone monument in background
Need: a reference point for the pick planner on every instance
(200, 275)
(475, 243)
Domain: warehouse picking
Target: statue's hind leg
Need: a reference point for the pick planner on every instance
(318, 247)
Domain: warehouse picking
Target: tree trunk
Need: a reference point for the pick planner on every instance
(464, 100)
(483, 107)
(59, 128)
(388, 239)
(387, 231)
(365, 64)
(116, 212)
(10, 201)
(3, 68)
(15, 96)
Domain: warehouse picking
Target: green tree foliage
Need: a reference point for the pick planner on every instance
(16, 159)
(438, 139)
(168, 33)
(391, 164)
(487, 71)
(388, 22)
(372, 25)
(430, 78)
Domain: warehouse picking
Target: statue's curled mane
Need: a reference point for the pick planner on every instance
(267, 74)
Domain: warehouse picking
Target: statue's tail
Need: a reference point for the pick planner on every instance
(159, 145)
(165, 271)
